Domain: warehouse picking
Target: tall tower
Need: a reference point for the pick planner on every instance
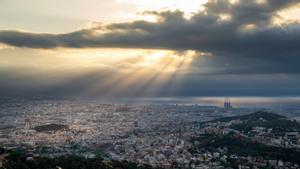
(180, 131)
(69, 118)
(136, 124)
(227, 103)
(27, 124)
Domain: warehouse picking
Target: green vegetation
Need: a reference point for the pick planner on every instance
(279, 127)
(279, 124)
(257, 116)
(245, 147)
(50, 127)
(19, 160)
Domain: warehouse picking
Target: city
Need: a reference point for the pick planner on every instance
(164, 136)
(149, 84)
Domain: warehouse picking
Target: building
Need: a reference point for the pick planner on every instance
(227, 104)
(27, 124)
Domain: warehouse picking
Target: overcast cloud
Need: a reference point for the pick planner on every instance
(245, 42)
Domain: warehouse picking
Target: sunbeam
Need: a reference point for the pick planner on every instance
(174, 82)
(151, 83)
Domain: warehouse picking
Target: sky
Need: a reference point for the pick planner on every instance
(150, 48)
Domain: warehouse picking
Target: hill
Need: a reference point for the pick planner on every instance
(19, 160)
(260, 115)
(51, 127)
(279, 124)
(245, 147)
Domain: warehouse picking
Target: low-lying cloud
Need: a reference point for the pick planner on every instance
(246, 34)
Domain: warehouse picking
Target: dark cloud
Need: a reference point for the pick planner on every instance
(235, 50)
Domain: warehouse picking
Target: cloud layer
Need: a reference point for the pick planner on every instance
(204, 31)
(232, 32)
(240, 39)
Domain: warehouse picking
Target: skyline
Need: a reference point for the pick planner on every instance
(126, 48)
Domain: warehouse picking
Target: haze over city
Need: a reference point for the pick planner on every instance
(149, 84)
(146, 48)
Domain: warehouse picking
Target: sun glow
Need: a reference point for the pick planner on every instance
(225, 17)
(124, 58)
(287, 16)
(152, 70)
(150, 5)
(113, 71)
(234, 1)
(4, 46)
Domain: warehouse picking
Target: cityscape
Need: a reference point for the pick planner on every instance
(149, 84)
(156, 135)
